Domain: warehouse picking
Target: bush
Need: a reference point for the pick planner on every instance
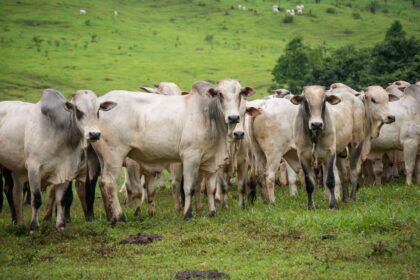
(396, 57)
(288, 19)
(356, 15)
(331, 11)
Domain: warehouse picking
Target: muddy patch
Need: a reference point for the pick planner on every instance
(142, 238)
(206, 274)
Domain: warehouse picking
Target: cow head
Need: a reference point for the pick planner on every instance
(87, 108)
(280, 93)
(376, 101)
(402, 85)
(232, 97)
(312, 101)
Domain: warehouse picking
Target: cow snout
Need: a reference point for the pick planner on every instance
(316, 125)
(94, 136)
(233, 118)
(239, 134)
(390, 119)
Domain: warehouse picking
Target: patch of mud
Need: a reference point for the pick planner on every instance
(206, 274)
(142, 238)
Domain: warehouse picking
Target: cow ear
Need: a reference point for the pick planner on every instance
(297, 99)
(393, 98)
(214, 92)
(253, 112)
(333, 99)
(247, 91)
(107, 105)
(69, 106)
(149, 89)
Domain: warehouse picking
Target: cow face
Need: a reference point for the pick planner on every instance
(233, 104)
(87, 113)
(313, 100)
(402, 85)
(376, 101)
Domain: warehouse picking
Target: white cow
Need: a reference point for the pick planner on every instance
(42, 144)
(83, 12)
(275, 8)
(155, 129)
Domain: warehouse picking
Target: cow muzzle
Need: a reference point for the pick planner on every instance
(390, 119)
(238, 135)
(233, 118)
(316, 126)
(94, 136)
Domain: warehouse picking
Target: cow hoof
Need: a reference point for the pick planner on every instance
(188, 215)
(90, 217)
(33, 225)
(212, 214)
(122, 218)
(137, 212)
(311, 207)
(151, 213)
(113, 221)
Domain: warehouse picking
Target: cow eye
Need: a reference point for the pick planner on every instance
(374, 101)
(79, 114)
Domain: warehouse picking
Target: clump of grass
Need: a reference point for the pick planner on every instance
(356, 15)
(288, 19)
(331, 10)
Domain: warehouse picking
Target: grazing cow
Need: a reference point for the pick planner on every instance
(143, 128)
(404, 134)
(290, 12)
(42, 144)
(275, 9)
(83, 12)
(299, 9)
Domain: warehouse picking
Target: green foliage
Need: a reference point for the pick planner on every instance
(331, 11)
(288, 19)
(395, 58)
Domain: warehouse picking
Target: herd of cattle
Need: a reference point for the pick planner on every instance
(204, 138)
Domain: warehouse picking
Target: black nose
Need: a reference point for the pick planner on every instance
(233, 119)
(391, 119)
(239, 134)
(316, 125)
(94, 136)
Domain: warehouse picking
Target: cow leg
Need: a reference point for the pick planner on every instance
(36, 201)
(190, 184)
(418, 170)
(309, 173)
(378, 168)
(161, 181)
(291, 180)
(18, 198)
(175, 177)
(109, 183)
(90, 197)
(61, 204)
(211, 182)
(150, 187)
(138, 194)
(355, 168)
(270, 179)
(81, 193)
(410, 154)
(68, 201)
(27, 194)
(342, 173)
(8, 190)
(330, 180)
(50, 203)
(241, 180)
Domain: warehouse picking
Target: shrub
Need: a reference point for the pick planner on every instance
(87, 22)
(356, 15)
(288, 19)
(331, 11)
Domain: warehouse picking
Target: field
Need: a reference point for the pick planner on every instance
(48, 43)
(376, 237)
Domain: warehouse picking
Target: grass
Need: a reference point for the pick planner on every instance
(376, 237)
(49, 44)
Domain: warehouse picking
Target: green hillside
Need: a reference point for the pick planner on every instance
(49, 44)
